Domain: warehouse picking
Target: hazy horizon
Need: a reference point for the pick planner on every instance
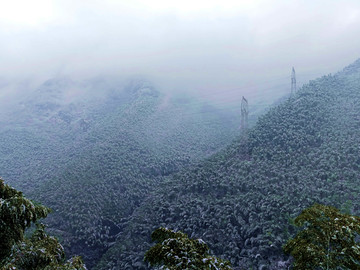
(200, 47)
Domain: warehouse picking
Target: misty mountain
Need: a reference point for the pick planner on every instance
(93, 151)
(124, 116)
(243, 199)
(56, 121)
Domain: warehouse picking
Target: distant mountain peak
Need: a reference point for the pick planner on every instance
(141, 87)
(56, 84)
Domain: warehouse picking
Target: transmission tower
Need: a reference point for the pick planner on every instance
(244, 114)
(293, 81)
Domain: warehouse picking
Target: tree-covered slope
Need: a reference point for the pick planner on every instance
(242, 200)
(93, 160)
(63, 118)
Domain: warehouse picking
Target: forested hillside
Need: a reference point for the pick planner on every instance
(242, 200)
(62, 119)
(116, 166)
(93, 158)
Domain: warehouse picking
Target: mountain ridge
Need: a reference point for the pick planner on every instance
(242, 200)
(69, 155)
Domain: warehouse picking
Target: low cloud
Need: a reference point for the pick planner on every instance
(204, 47)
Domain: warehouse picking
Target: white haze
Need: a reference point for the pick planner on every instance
(209, 48)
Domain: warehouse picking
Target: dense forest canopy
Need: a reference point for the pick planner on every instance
(121, 168)
(242, 200)
(213, 120)
(113, 140)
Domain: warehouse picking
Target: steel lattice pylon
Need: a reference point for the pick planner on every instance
(244, 114)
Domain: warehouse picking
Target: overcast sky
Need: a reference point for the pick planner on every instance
(195, 45)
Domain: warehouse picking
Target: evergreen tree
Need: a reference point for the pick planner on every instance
(174, 250)
(40, 251)
(328, 240)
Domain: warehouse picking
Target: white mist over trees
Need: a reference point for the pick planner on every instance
(123, 117)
